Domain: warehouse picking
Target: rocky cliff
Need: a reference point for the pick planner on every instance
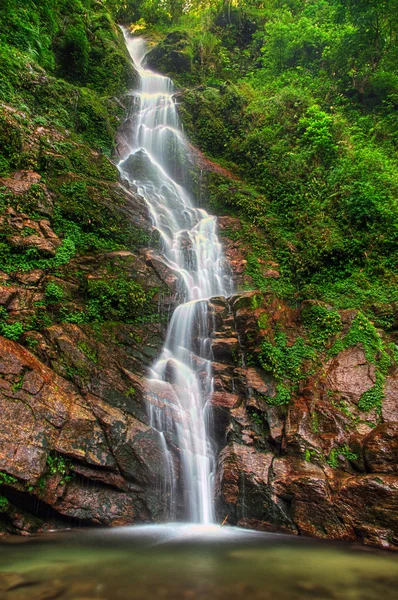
(75, 444)
(305, 446)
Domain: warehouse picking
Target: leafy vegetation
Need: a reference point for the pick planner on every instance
(299, 99)
(333, 459)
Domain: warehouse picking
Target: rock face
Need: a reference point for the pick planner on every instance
(76, 446)
(75, 442)
(316, 465)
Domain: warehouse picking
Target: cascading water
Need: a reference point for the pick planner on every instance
(190, 247)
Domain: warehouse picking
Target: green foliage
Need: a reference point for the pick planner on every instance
(73, 53)
(282, 395)
(300, 100)
(54, 292)
(322, 324)
(4, 504)
(318, 132)
(58, 464)
(88, 350)
(255, 416)
(315, 422)
(118, 299)
(12, 331)
(17, 385)
(284, 361)
(309, 454)
(6, 479)
(333, 459)
(364, 333)
(74, 39)
(262, 321)
(374, 396)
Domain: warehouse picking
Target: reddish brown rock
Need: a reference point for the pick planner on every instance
(48, 247)
(225, 349)
(367, 505)
(43, 414)
(244, 491)
(96, 504)
(304, 486)
(21, 181)
(350, 374)
(7, 294)
(224, 399)
(390, 402)
(321, 426)
(381, 449)
(271, 273)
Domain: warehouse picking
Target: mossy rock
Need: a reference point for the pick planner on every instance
(172, 55)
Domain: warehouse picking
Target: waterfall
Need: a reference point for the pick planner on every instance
(182, 375)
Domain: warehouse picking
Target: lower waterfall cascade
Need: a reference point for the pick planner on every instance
(182, 374)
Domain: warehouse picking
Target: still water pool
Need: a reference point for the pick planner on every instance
(175, 562)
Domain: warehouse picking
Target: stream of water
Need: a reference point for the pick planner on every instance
(191, 249)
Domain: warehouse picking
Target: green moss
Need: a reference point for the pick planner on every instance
(315, 422)
(88, 350)
(309, 454)
(255, 416)
(262, 321)
(373, 398)
(282, 395)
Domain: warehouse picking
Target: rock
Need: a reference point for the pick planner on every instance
(224, 399)
(274, 468)
(381, 449)
(21, 181)
(304, 489)
(367, 505)
(7, 293)
(164, 272)
(271, 273)
(98, 505)
(43, 245)
(243, 490)
(44, 414)
(390, 402)
(350, 374)
(32, 278)
(225, 349)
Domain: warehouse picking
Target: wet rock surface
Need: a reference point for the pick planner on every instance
(317, 465)
(75, 443)
(76, 446)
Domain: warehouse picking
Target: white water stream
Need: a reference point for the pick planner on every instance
(182, 375)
